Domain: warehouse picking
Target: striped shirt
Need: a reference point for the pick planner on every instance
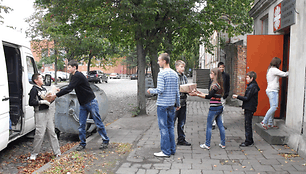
(215, 94)
(167, 88)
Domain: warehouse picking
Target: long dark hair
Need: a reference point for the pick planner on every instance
(217, 78)
(275, 62)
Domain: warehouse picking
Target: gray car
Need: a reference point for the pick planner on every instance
(97, 76)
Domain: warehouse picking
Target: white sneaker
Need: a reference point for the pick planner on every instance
(161, 154)
(223, 147)
(203, 146)
(32, 157)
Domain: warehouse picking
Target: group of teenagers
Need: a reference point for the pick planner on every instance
(171, 103)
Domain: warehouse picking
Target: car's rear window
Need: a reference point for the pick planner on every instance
(92, 72)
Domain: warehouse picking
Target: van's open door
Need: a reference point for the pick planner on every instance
(4, 103)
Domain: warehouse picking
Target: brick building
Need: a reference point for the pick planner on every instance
(45, 48)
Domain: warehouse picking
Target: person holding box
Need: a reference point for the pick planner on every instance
(180, 114)
(43, 120)
(250, 102)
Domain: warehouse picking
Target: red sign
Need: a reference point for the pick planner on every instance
(277, 17)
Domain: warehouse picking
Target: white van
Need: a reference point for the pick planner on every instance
(17, 66)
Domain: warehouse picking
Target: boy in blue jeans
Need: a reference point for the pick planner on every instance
(250, 102)
(88, 104)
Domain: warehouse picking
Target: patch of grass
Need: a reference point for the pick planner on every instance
(135, 111)
(73, 162)
(42, 159)
(87, 161)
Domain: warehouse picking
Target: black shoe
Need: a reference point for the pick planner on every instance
(245, 144)
(184, 143)
(225, 127)
(213, 127)
(103, 146)
(80, 147)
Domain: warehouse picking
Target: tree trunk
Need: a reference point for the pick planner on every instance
(55, 63)
(141, 99)
(89, 62)
(154, 66)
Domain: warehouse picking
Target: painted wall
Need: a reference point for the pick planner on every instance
(297, 60)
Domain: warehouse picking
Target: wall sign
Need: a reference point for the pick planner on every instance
(284, 15)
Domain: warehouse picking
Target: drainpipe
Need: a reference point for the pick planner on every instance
(302, 131)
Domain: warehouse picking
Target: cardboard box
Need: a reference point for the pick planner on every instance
(187, 88)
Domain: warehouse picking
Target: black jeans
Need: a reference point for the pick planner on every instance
(180, 116)
(248, 115)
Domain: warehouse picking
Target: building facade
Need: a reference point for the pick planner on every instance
(287, 18)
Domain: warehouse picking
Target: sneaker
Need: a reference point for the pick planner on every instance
(103, 146)
(184, 143)
(273, 126)
(80, 147)
(161, 154)
(220, 145)
(245, 144)
(263, 125)
(225, 127)
(32, 157)
(203, 146)
(213, 127)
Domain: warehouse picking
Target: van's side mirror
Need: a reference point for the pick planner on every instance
(47, 80)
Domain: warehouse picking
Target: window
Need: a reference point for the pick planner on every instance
(30, 67)
(265, 25)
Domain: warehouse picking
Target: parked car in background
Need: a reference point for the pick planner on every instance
(97, 76)
(134, 77)
(61, 76)
(114, 76)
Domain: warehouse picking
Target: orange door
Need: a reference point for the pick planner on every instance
(260, 51)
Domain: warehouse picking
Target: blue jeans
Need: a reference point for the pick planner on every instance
(273, 99)
(93, 108)
(215, 114)
(165, 118)
(180, 116)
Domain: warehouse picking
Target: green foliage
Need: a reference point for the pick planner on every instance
(174, 26)
(4, 9)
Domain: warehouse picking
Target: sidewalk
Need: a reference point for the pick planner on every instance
(143, 132)
(261, 158)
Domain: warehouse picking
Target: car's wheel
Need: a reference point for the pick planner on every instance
(100, 80)
(59, 80)
(106, 81)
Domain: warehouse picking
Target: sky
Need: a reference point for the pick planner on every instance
(22, 9)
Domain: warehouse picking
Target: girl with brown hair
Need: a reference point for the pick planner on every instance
(215, 109)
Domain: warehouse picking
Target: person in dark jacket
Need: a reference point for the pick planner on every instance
(44, 122)
(250, 102)
(88, 104)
